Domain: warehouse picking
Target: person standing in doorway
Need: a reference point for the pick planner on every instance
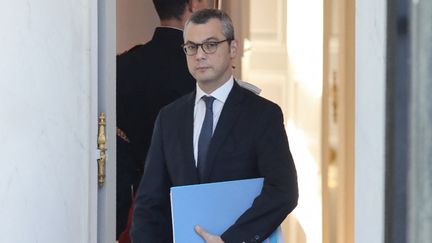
(219, 132)
(149, 77)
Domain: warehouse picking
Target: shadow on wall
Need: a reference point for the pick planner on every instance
(293, 231)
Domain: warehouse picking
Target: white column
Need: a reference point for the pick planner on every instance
(370, 120)
(45, 115)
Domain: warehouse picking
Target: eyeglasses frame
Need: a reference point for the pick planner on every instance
(202, 46)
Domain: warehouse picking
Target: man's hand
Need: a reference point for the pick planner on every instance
(209, 238)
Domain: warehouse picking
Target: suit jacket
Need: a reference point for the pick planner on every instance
(149, 77)
(249, 142)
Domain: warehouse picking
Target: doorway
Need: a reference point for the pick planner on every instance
(311, 76)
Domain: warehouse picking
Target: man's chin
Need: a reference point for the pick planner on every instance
(203, 79)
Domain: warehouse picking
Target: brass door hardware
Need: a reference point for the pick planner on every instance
(101, 141)
(334, 96)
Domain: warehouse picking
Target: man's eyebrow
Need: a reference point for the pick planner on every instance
(206, 40)
(211, 39)
(190, 42)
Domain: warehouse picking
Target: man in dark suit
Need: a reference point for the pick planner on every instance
(149, 77)
(219, 132)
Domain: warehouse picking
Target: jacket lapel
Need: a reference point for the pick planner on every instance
(186, 137)
(227, 119)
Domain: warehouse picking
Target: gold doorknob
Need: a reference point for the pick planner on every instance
(101, 141)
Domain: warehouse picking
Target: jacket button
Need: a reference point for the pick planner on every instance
(256, 237)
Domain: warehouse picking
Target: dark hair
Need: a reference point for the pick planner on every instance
(168, 9)
(204, 15)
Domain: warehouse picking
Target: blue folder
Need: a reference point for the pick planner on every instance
(214, 206)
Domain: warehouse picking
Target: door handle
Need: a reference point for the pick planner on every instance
(101, 141)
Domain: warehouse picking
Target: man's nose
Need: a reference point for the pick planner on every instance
(200, 53)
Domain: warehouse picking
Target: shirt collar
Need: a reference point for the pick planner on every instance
(220, 93)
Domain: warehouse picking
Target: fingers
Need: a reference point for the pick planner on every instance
(208, 238)
(202, 232)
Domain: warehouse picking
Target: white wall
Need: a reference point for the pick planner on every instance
(45, 115)
(370, 119)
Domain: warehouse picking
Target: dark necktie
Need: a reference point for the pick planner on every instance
(205, 135)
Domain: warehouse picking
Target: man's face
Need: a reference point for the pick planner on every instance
(212, 69)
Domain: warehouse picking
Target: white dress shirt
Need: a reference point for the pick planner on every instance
(220, 96)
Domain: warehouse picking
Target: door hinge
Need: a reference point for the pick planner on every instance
(101, 141)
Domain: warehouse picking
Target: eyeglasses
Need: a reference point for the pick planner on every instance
(208, 47)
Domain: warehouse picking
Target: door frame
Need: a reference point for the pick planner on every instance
(104, 32)
(338, 117)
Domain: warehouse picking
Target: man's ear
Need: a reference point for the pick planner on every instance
(190, 6)
(233, 48)
(195, 5)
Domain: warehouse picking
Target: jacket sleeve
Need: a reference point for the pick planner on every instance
(279, 195)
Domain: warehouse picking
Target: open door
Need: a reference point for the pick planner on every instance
(281, 53)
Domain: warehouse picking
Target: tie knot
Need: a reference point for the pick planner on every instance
(208, 101)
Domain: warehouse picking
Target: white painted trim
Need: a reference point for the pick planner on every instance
(107, 104)
(370, 120)
(93, 192)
